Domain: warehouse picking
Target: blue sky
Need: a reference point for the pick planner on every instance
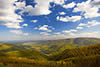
(49, 19)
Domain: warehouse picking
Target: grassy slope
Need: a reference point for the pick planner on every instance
(20, 51)
(77, 52)
(78, 57)
(4, 46)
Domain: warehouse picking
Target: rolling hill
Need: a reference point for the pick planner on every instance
(91, 50)
(50, 46)
(88, 56)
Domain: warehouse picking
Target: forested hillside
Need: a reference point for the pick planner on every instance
(73, 52)
(88, 56)
(91, 50)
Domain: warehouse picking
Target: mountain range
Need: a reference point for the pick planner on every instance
(72, 52)
(50, 46)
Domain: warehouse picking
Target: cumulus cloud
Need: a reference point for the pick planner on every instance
(12, 24)
(44, 33)
(41, 7)
(67, 18)
(57, 33)
(34, 21)
(70, 5)
(96, 3)
(90, 23)
(45, 28)
(87, 34)
(18, 32)
(8, 17)
(20, 5)
(25, 25)
(88, 9)
(69, 31)
(95, 34)
(62, 13)
(60, 2)
(79, 27)
(58, 18)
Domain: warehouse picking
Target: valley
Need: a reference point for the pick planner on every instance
(72, 52)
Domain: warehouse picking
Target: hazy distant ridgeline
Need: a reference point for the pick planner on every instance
(52, 46)
(48, 47)
(79, 41)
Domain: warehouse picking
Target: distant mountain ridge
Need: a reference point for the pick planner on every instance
(50, 46)
(75, 39)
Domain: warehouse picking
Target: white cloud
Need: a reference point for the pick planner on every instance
(62, 13)
(25, 25)
(20, 5)
(96, 3)
(90, 23)
(69, 31)
(71, 5)
(51, 27)
(36, 28)
(79, 27)
(82, 24)
(60, 2)
(57, 33)
(8, 17)
(67, 18)
(95, 34)
(44, 33)
(18, 32)
(41, 7)
(88, 10)
(45, 28)
(34, 21)
(73, 30)
(87, 34)
(12, 25)
(58, 18)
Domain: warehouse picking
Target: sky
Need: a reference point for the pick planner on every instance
(49, 19)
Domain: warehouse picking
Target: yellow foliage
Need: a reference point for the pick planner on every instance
(4, 46)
